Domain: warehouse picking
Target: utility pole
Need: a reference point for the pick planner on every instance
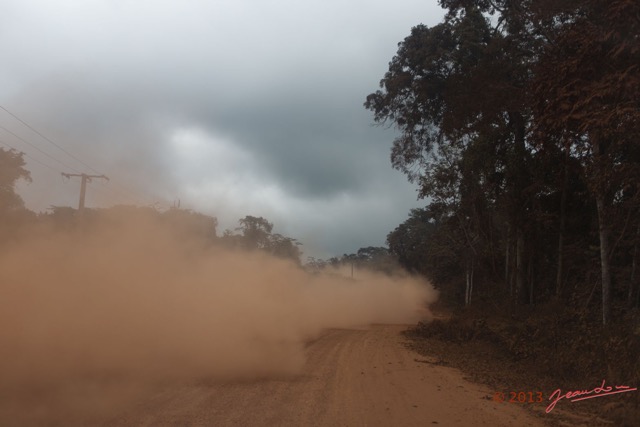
(83, 187)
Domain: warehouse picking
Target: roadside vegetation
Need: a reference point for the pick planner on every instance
(519, 123)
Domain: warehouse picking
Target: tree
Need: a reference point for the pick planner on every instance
(256, 235)
(457, 92)
(423, 93)
(284, 247)
(255, 232)
(13, 213)
(587, 91)
(411, 243)
(518, 130)
(11, 171)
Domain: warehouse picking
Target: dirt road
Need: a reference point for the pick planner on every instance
(352, 378)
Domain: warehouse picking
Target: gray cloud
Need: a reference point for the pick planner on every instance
(235, 107)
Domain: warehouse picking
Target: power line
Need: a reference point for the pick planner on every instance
(32, 158)
(63, 150)
(48, 140)
(131, 195)
(34, 146)
(50, 156)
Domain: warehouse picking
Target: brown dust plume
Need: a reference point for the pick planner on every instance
(132, 301)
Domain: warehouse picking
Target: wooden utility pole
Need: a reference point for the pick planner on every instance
(83, 187)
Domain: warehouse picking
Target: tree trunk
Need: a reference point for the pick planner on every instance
(634, 266)
(467, 289)
(599, 148)
(560, 261)
(531, 281)
(506, 264)
(469, 283)
(512, 265)
(521, 293)
(604, 260)
(563, 209)
(520, 180)
(471, 287)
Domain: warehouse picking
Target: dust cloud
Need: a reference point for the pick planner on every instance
(133, 301)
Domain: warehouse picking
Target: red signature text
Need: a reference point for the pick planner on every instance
(577, 395)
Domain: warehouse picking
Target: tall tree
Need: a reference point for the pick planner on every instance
(459, 84)
(587, 91)
(504, 123)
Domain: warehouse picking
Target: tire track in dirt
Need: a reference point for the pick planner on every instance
(352, 378)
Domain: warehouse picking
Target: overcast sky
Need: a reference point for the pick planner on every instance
(233, 107)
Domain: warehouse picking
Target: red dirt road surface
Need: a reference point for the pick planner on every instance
(351, 378)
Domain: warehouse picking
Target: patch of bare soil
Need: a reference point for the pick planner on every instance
(526, 357)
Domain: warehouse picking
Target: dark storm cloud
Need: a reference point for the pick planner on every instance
(313, 151)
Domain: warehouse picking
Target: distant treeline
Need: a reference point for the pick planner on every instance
(520, 124)
(252, 234)
(373, 258)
